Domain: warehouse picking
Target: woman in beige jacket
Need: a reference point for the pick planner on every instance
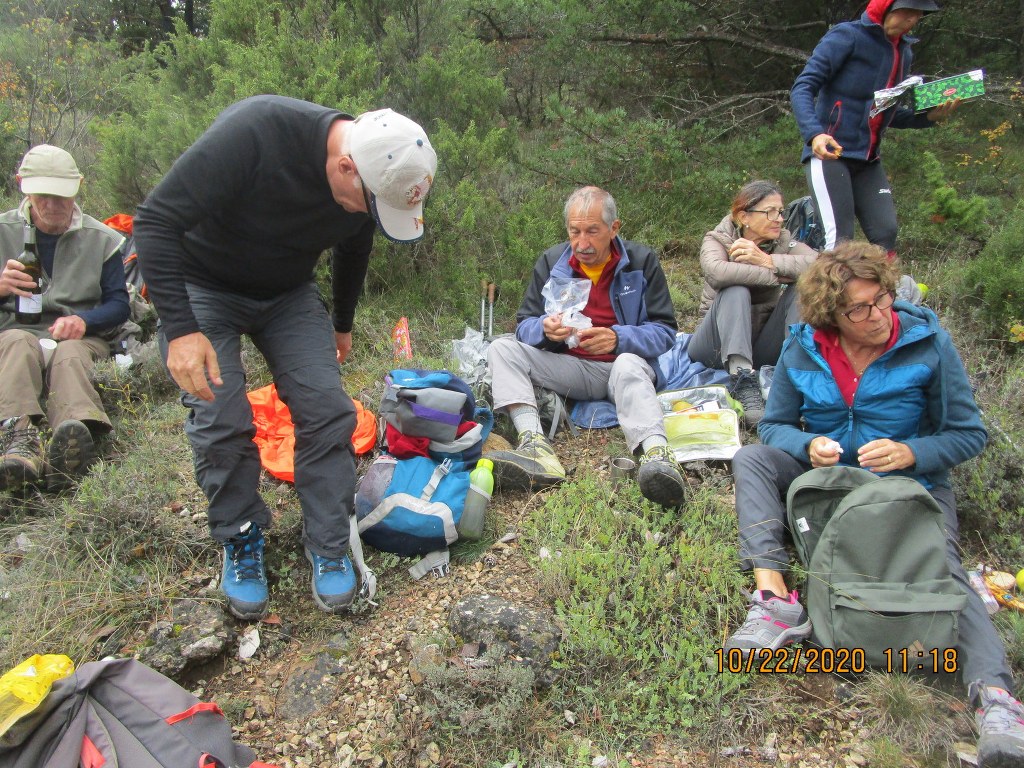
(748, 261)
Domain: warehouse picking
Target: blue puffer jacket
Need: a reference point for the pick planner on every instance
(640, 299)
(916, 393)
(837, 87)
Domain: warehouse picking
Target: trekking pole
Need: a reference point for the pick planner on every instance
(483, 304)
(492, 292)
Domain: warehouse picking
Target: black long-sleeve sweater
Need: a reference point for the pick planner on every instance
(247, 209)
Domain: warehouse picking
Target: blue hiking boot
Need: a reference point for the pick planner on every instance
(334, 582)
(244, 578)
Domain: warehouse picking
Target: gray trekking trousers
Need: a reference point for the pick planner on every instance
(295, 336)
(727, 329)
(763, 475)
(628, 382)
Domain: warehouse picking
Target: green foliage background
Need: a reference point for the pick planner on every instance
(669, 105)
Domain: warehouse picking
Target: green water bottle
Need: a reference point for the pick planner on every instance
(481, 484)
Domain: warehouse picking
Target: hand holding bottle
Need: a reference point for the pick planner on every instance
(14, 280)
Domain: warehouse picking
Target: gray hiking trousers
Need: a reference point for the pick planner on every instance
(763, 475)
(727, 329)
(628, 382)
(295, 336)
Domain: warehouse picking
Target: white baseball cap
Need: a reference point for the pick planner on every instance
(397, 165)
(49, 170)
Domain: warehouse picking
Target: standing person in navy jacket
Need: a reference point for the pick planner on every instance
(831, 101)
(633, 323)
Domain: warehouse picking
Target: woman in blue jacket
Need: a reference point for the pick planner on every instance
(831, 101)
(874, 384)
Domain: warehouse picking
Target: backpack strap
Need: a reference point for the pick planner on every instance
(366, 576)
(433, 562)
(440, 471)
(561, 418)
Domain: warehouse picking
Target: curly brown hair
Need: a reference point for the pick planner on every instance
(821, 289)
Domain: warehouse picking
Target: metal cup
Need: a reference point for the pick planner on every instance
(622, 469)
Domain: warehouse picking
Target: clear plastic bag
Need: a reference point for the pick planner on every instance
(568, 296)
(470, 356)
(700, 423)
(23, 688)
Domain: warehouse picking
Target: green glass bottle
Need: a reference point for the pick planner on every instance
(29, 309)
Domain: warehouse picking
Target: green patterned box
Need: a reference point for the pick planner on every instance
(966, 86)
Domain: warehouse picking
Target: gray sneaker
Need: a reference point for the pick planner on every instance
(745, 388)
(659, 477)
(1000, 719)
(22, 461)
(772, 622)
(532, 464)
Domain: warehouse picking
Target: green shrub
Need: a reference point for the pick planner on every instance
(994, 282)
(101, 562)
(645, 596)
(944, 206)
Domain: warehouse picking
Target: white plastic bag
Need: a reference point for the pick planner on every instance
(568, 296)
(470, 356)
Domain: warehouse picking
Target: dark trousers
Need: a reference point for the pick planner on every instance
(845, 189)
(763, 475)
(294, 334)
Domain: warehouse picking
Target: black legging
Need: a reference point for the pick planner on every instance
(843, 189)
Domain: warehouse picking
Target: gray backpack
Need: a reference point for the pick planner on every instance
(120, 712)
(875, 552)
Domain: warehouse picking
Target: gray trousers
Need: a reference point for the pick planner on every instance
(295, 336)
(628, 382)
(727, 329)
(66, 381)
(763, 475)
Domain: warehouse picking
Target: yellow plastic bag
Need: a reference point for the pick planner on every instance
(24, 687)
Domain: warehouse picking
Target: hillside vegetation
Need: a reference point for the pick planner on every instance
(670, 106)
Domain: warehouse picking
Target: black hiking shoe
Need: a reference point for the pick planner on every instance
(69, 455)
(659, 477)
(747, 391)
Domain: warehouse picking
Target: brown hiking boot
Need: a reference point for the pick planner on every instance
(70, 454)
(22, 460)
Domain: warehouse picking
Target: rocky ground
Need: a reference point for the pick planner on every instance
(346, 693)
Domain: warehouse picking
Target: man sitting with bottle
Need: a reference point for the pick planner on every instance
(61, 280)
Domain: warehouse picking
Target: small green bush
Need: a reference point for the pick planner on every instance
(944, 206)
(994, 282)
(645, 596)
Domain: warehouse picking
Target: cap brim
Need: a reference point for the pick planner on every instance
(925, 6)
(48, 185)
(402, 225)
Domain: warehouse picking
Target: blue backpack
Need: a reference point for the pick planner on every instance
(411, 506)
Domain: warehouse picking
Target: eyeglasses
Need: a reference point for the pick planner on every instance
(860, 313)
(772, 214)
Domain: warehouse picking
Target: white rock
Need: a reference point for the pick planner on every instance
(249, 643)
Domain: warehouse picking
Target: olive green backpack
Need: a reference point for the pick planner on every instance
(875, 552)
